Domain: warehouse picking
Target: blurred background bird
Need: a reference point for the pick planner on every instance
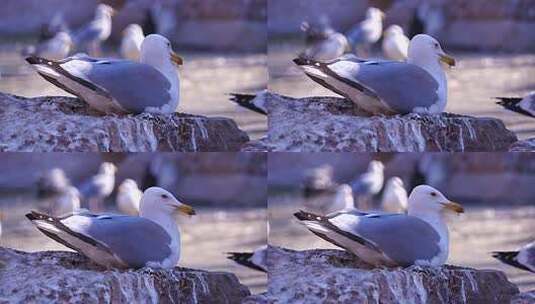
(395, 43)
(97, 31)
(128, 197)
(362, 36)
(131, 42)
(99, 187)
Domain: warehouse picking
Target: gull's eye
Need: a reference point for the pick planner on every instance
(164, 196)
(433, 194)
(436, 45)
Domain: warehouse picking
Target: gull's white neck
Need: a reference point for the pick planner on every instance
(164, 65)
(435, 69)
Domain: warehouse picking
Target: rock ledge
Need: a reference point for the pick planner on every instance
(335, 124)
(66, 124)
(67, 277)
(335, 276)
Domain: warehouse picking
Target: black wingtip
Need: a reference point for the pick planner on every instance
(300, 61)
(244, 259)
(33, 60)
(307, 216)
(34, 215)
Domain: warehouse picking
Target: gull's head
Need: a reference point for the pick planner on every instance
(426, 49)
(393, 30)
(156, 47)
(133, 30)
(104, 10)
(425, 199)
(376, 166)
(107, 168)
(158, 199)
(128, 185)
(375, 14)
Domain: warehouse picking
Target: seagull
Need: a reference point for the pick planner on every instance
(151, 239)
(56, 25)
(336, 198)
(120, 86)
(97, 31)
(323, 42)
(395, 43)
(367, 32)
(256, 260)
(395, 198)
(391, 240)
(52, 183)
(318, 181)
(66, 202)
(524, 106)
(100, 186)
(128, 197)
(55, 48)
(253, 102)
(131, 43)
(389, 87)
(524, 258)
(368, 184)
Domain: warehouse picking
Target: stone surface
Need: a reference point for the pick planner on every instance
(335, 276)
(524, 298)
(67, 124)
(66, 277)
(527, 145)
(335, 124)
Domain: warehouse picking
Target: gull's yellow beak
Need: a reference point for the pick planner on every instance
(452, 206)
(186, 209)
(176, 59)
(450, 61)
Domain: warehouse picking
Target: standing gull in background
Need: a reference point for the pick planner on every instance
(318, 181)
(395, 198)
(120, 86)
(524, 258)
(366, 33)
(525, 106)
(55, 48)
(66, 202)
(56, 25)
(129, 197)
(389, 87)
(395, 43)
(368, 184)
(419, 238)
(99, 187)
(121, 241)
(131, 43)
(336, 198)
(52, 182)
(97, 31)
(256, 260)
(323, 42)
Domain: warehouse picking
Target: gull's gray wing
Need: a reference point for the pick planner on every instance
(401, 86)
(402, 238)
(135, 86)
(135, 240)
